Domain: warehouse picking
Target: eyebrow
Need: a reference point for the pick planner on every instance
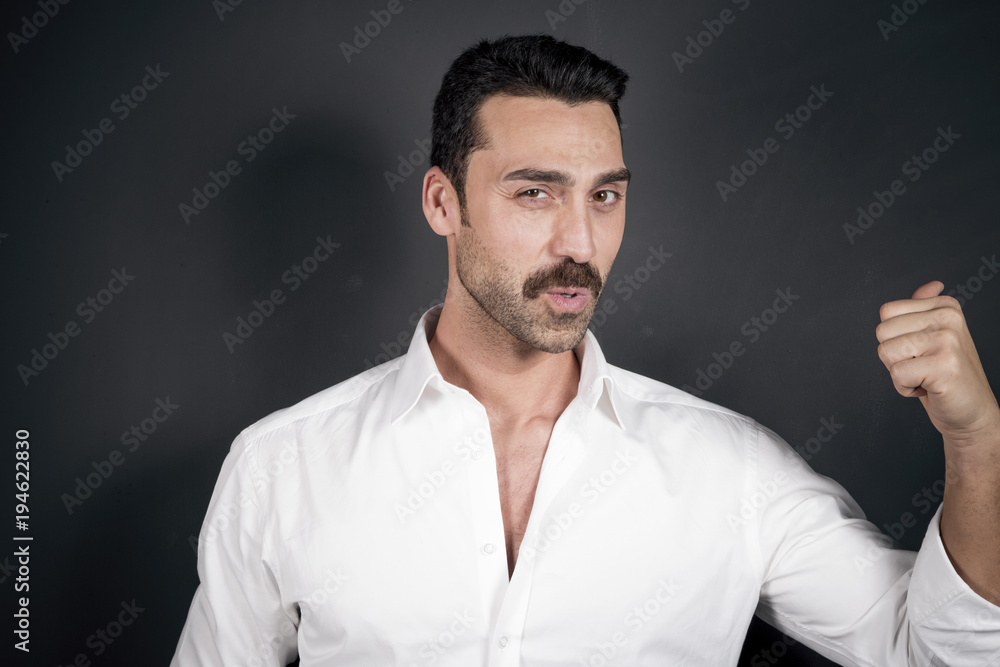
(564, 179)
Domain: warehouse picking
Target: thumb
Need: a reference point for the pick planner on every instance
(928, 290)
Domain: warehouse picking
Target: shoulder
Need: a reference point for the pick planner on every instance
(668, 401)
(340, 402)
(704, 437)
(657, 410)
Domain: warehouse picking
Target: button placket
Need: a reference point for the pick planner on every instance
(484, 505)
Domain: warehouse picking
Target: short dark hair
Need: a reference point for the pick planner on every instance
(520, 66)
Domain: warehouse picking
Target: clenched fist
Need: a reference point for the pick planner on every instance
(926, 345)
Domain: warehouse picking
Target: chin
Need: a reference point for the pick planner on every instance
(561, 340)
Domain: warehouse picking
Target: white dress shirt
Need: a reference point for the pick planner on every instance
(362, 526)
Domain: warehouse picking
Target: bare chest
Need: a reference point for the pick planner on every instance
(519, 462)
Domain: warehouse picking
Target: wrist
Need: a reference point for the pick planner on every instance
(973, 464)
(978, 441)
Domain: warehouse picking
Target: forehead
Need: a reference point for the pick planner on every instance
(539, 132)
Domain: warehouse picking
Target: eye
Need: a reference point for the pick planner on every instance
(607, 197)
(534, 193)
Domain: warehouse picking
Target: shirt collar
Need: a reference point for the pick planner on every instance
(418, 368)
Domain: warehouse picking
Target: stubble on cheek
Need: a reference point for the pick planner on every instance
(500, 294)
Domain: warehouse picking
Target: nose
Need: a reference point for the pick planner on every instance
(572, 233)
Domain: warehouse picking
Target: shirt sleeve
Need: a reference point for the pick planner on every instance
(236, 617)
(833, 581)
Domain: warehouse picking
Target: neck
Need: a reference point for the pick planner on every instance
(515, 382)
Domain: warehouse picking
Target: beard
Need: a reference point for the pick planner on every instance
(518, 305)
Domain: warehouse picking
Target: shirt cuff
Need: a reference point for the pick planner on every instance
(952, 622)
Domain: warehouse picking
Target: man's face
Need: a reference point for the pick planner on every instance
(545, 215)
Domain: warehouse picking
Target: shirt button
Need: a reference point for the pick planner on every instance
(503, 641)
(477, 454)
(488, 548)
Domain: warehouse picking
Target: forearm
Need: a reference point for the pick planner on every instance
(970, 516)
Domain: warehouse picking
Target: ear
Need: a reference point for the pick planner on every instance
(441, 203)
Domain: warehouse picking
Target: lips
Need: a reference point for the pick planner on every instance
(569, 292)
(568, 299)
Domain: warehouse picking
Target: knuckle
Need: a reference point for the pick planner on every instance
(949, 318)
(950, 361)
(953, 364)
(948, 301)
(949, 338)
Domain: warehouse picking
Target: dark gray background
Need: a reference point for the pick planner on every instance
(325, 175)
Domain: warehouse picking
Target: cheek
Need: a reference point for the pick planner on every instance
(485, 255)
(513, 232)
(609, 240)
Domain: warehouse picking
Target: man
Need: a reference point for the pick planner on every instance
(501, 495)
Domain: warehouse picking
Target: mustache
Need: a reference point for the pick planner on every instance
(567, 274)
